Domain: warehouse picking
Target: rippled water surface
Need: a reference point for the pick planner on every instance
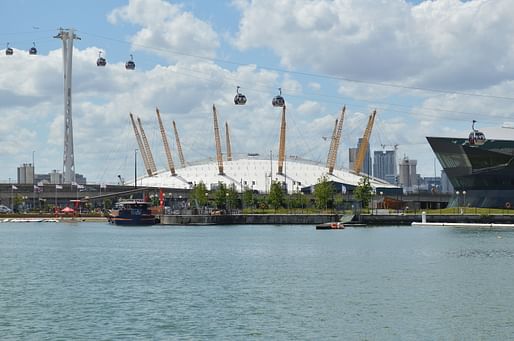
(93, 281)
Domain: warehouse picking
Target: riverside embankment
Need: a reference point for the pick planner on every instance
(312, 219)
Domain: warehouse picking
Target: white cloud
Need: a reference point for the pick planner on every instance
(432, 44)
(167, 29)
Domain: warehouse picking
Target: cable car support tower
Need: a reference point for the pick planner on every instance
(67, 36)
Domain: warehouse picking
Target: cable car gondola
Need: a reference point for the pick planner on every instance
(240, 99)
(101, 60)
(9, 51)
(476, 137)
(130, 65)
(33, 50)
(278, 101)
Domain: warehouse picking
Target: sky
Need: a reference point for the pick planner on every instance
(428, 67)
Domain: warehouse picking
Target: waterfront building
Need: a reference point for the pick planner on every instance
(446, 185)
(26, 174)
(408, 179)
(384, 165)
(483, 171)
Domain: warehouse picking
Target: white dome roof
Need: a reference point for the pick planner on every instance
(255, 174)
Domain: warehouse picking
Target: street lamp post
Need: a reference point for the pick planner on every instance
(458, 203)
(135, 168)
(464, 202)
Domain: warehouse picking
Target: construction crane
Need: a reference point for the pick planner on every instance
(141, 146)
(282, 142)
(334, 143)
(217, 140)
(229, 147)
(147, 149)
(171, 165)
(361, 153)
(179, 146)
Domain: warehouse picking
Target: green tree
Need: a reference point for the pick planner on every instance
(232, 197)
(363, 191)
(220, 195)
(298, 200)
(199, 194)
(323, 193)
(248, 198)
(276, 195)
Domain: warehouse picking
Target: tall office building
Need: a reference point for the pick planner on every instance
(408, 179)
(384, 165)
(352, 157)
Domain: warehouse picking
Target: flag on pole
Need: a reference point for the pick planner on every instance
(14, 187)
(58, 187)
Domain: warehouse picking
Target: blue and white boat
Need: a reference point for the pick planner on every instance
(132, 212)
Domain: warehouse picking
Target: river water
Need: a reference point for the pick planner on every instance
(94, 281)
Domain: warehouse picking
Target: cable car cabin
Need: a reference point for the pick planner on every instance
(278, 101)
(101, 61)
(9, 51)
(33, 50)
(239, 99)
(476, 138)
(130, 65)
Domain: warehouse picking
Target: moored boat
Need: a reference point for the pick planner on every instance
(330, 226)
(132, 213)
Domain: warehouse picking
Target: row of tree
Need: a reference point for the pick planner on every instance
(323, 197)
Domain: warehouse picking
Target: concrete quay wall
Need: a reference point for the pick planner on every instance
(257, 219)
(313, 219)
(458, 218)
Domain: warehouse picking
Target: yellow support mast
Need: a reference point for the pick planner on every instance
(179, 146)
(166, 145)
(229, 146)
(361, 153)
(335, 142)
(147, 149)
(217, 140)
(141, 146)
